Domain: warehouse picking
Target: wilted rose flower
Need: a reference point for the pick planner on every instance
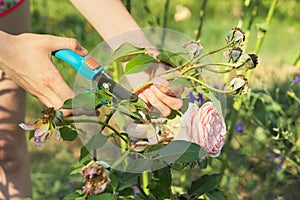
(46, 126)
(204, 127)
(144, 135)
(239, 84)
(95, 178)
(143, 131)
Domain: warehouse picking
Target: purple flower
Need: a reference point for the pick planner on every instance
(296, 79)
(275, 158)
(135, 190)
(238, 127)
(198, 98)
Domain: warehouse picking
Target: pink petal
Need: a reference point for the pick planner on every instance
(27, 127)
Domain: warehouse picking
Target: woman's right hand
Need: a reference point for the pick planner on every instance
(26, 59)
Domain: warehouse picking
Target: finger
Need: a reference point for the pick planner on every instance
(143, 97)
(59, 90)
(79, 111)
(157, 103)
(162, 85)
(173, 102)
(66, 43)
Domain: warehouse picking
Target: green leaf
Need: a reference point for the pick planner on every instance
(103, 196)
(179, 151)
(180, 81)
(210, 95)
(173, 59)
(86, 101)
(126, 110)
(96, 142)
(114, 182)
(204, 184)
(74, 195)
(126, 179)
(125, 52)
(138, 64)
(68, 134)
(160, 185)
(216, 195)
(83, 152)
(31, 135)
(139, 104)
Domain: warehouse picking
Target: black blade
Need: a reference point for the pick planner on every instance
(120, 92)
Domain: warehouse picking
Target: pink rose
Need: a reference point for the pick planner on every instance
(204, 127)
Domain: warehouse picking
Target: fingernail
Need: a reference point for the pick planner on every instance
(84, 51)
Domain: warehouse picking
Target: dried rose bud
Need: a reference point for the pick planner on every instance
(247, 61)
(239, 84)
(236, 35)
(95, 178)
(46, 126)
(193, 48)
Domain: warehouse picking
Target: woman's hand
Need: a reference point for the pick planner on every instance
(158, 95)
(26, 59)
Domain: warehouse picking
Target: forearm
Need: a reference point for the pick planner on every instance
(5, 41)
(110, 18)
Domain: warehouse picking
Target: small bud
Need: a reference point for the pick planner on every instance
(239, 84)
(233, 54)
(247, 61)
(236, 35)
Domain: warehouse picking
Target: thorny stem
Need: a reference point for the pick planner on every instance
(194, 60)
(262, 32)
(215, 51)
(201, 65)
(187, 69)
(206, 85)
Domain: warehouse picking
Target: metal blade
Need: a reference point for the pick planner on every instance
(120, 92)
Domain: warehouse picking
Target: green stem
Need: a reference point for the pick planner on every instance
(97, 121)
(120, 159)
(165, 20)
(145, 176)
(215, 51)
(186, 70)
(201, 19)
(242, 18)
(206, 85)
(262, 33)
(200, 65)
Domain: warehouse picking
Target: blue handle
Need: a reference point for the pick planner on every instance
(77, 62)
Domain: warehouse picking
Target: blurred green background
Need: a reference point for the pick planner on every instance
(249, 173)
